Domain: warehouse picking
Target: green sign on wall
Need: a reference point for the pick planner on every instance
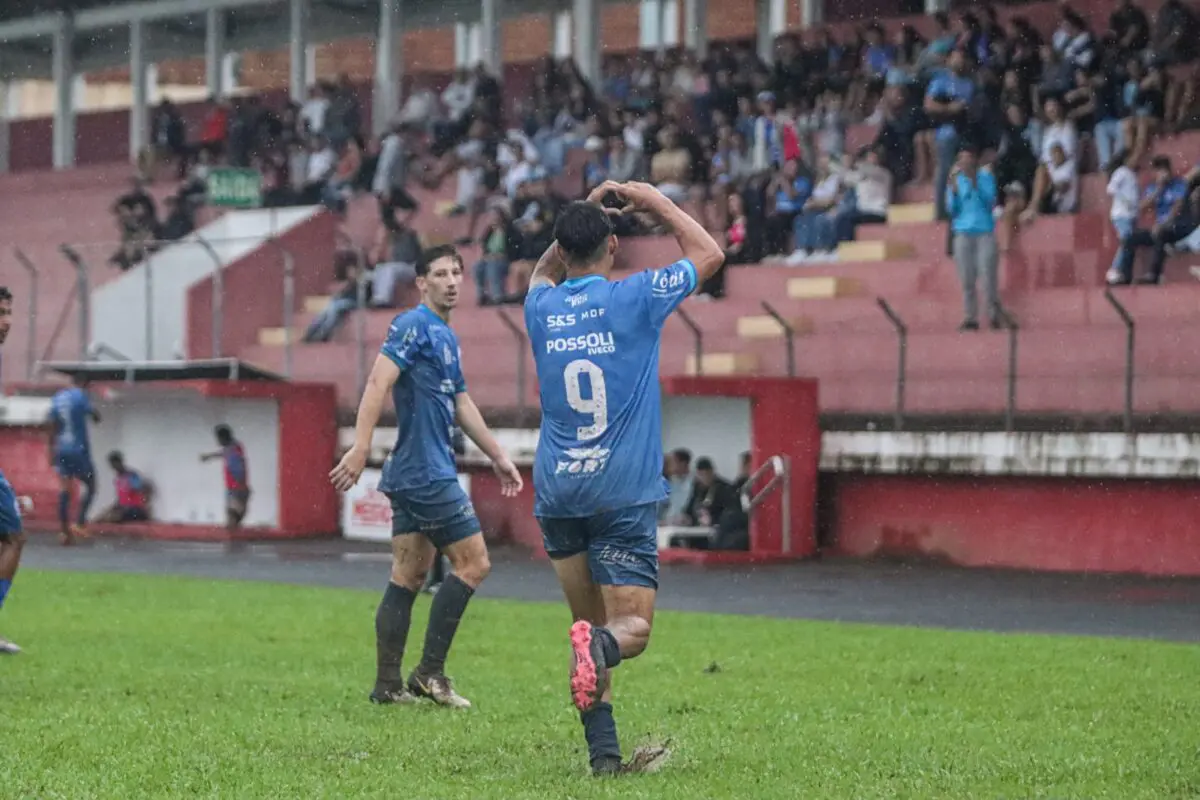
(235, 188)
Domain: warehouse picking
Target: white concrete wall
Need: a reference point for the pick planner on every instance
(119, 307)
(162, 436)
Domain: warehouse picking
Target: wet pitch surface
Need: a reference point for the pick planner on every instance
(844, 591)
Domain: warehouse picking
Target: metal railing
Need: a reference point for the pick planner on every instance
(98, 349)
(901, 358)
(31, 345)
(72, 251)
(521, 340)
(697, 338)
(1130, 333)
(781, 477)
(789, 333)
(1010, 404)
(83, 289)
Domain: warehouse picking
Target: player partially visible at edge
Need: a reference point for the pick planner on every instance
(12, 538)
(598, 471)
(420, 365)
(71, 455)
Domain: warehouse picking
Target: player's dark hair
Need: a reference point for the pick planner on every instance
(704, 464)
(683, 454)
(5, 294)
(433, 254)
(582, 231)
(224, 434)
(115, 458)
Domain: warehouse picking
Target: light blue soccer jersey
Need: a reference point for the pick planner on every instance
(595, 344)
(426, 350)
(70, 410)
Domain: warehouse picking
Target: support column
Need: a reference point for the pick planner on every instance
(492, 40)
(298, 48)
(462, 44)
(214, 52)
(812, 14)
(64, 95)
(139, 84)
(934, 6)
(695, 26)
(389, 65)
(6, 91)
(585, 16)
(765, 43)
(560, 34)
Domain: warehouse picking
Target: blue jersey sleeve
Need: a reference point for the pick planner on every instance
(659, 291)
(404, 339)
(460, 380)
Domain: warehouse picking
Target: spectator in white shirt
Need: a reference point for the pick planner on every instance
(421, 108)
(322, 159)
(313, 111)
(1059, 132)
(459, 96)
(872, 185)
(1123, 189)
(1064, 181)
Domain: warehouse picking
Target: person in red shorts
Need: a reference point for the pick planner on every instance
(133, 494)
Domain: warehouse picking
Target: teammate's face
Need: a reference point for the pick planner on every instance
(5, 319)
(440, 287)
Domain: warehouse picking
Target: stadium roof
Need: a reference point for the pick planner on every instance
(176, 28)
(219, 369)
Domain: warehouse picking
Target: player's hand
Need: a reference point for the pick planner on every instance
(635, 195)
(510, 477)
(346, 474)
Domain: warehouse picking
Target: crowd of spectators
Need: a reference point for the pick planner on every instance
(757, 152)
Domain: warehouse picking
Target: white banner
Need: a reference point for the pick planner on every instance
(367, 513)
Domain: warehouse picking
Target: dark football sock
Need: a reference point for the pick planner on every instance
(5, 585)
(64, 508)
(600, 730)
(612, 650)
(392, 620)
(89, 492)
(447, 610)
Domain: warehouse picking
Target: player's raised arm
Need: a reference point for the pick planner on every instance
(698, 246)
(472, 423)
(551, 269)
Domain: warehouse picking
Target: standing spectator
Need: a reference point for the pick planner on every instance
(1172, 222)
(1130, 27)
(168, 140)
(946, 102)
(678, 472)
(340, 186)
(1123, 189)
(391, 176)
(313, 112)
(322, 161)
(395, 255)
(970, 198)
(343, 118)
(420, 110)
(214, 129)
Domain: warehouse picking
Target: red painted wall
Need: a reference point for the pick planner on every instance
(308, 438)
(253, 288)
(1050, 524)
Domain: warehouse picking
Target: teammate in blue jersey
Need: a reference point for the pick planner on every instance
(71, 455)
(598, 470)
(419, 366)
(12, 538)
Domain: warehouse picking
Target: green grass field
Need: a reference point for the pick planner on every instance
(154, 687)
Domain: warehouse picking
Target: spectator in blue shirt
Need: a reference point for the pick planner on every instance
(1172, 221)
(970, 199)
(946, 102)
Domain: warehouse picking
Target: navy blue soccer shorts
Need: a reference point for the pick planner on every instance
(10, 511)
(622, 545)
(74, 464)
(441, 512)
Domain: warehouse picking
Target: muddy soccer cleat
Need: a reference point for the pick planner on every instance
(589, 672)
(647, 759)
(437, 688)
(8, 648)
(389, 697)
